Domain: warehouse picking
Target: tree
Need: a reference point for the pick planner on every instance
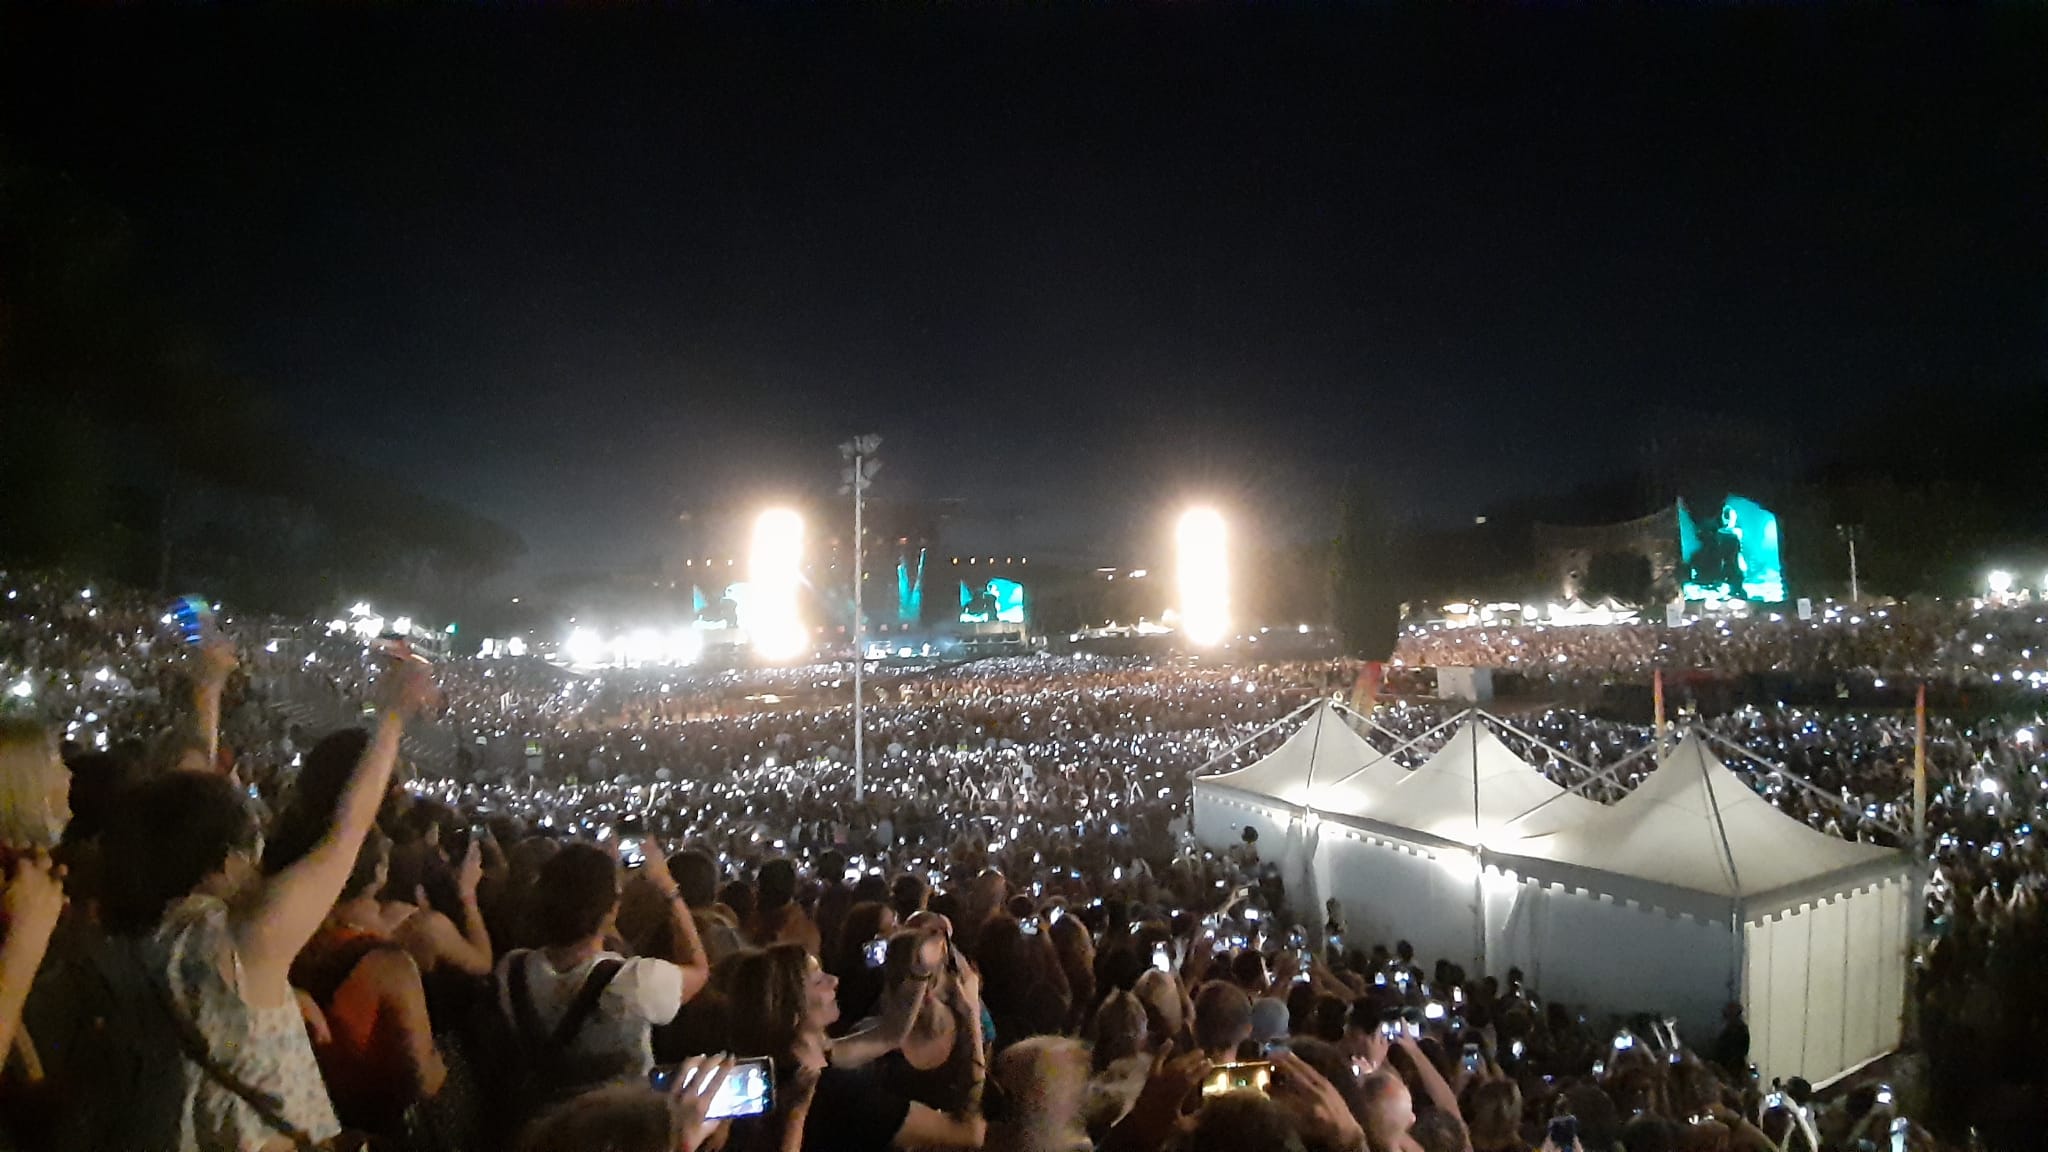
(1365, 591)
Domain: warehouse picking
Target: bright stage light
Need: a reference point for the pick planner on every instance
(1204, 576)
(583, 648)
(774, 567)
(685, 646)
(2000, 582)
(641, 647)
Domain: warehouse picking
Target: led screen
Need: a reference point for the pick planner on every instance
(998, 600)
(910, 590)
(1732, 556)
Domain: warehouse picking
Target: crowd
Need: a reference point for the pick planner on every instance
(593, 905)
(1947, 644)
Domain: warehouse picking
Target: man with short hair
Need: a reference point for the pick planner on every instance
(1223, 1019)
(777, 919)
(1389, 1113)
(575, 906)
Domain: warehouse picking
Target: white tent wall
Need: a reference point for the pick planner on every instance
(1393, 890)
(1595, 952)
(1222, 815)
(1825, 982)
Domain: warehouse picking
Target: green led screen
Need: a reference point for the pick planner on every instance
(1734, 555)
(999, 600)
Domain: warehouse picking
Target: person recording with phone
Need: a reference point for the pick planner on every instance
(783, 1005)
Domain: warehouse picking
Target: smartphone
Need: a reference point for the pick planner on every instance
(1360, 1068)
(749, 1089)
(1884, 1094)
(1599, 1067)
(1563, 1133)
(875, 951)
(1029, 927)
(1471, 1058)
(1252, 914)
(1624, 1040)
(632, 851)
(193, 616)
(1252, 1075)
(1433, 1010)
(1516, 1049)
(1901, 1130)
(1053, 917)
(1161, 958)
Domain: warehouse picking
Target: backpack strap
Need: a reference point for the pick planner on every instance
(585, 1005)
(526, 1018)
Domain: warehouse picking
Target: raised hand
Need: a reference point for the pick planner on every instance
(408, 688)
(216, 659)
(1325, 1117)
(471, 872)
(696, 1085)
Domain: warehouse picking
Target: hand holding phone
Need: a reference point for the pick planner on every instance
(727, 1092)
(1246, 1075)
(1563, 1134)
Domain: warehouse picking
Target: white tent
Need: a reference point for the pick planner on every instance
(1694, 891)
(1271, 796)
(1474, 791)
(1689, 893)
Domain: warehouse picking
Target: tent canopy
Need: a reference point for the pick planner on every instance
(1325, 747)
(1474, 791)
(1694, 825)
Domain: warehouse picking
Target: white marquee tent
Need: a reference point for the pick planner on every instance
(1691, 891)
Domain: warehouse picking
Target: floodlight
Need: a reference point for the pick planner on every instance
(1204, 576)
(774, 567)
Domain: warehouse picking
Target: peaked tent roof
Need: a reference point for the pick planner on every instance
(1473, 791)
(1325, 747)
(1693, 824)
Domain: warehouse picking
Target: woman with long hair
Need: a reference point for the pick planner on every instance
(218, 935)
(35, 790)
(859, 983)
(943, 1053)
(783, 1004)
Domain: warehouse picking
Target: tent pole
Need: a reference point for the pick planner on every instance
(1401, 747)
(1547, 746)
(1235, 748)
(1833, 801)
(1479, 864)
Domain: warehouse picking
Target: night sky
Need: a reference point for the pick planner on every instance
(579, 272)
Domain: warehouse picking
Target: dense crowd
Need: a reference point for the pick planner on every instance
(593, 903)
(1943, 644)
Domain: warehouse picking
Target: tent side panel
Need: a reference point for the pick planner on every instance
(1583, 949)
(1780, 1021)
(1827, 983)
(1221, 818)
(1394, 893)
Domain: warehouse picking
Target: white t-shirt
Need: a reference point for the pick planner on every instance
(646, 992)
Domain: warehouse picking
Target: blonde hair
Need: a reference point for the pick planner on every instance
(28, 769)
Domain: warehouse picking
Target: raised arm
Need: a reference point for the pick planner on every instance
(690, 955)
(287, 908)
(1433, 1082)
(210, 680)
(466, 946)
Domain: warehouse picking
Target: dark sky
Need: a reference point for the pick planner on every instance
(581, 271)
